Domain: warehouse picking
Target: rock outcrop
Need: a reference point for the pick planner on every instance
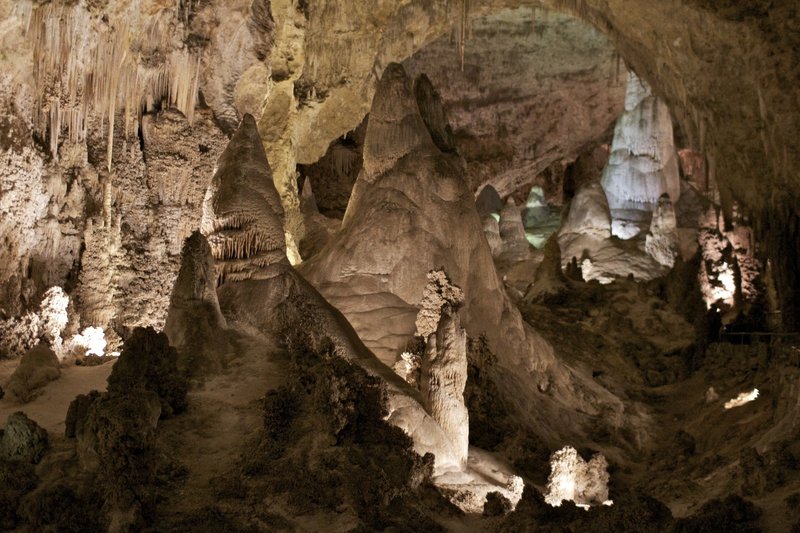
(22, 440)
(571, 478)
(38, 367)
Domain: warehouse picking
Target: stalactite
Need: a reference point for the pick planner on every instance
(462, 39)
(83, 70)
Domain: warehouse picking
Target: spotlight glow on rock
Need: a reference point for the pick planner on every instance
(743, 398)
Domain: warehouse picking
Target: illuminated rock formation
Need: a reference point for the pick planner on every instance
(443, 376)
(416, 214)
(586, 235)
(243, 235)
(589, 214)
(572, 478)
(643, 163)
(440, 294)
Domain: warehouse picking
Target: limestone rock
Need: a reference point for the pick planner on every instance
(319, 228)
(589, 213)
(643, 163)
(195, 323)
(564, 98)
(496, 505)
(149, 363)
(432, 112)
(662, 241)
(439, 297)
(512, 232)
(536, 209)
(18, 335)
(37, 368)
(443, 377)
(78, 413)
(491, 230)
(395, 127)
(274, 298)
(242, 213)
(117, 441)
(571, 478)
(417, 215)
(22, 439)
(549, 279)
(53, 314)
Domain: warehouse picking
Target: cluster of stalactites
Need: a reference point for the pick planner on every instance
(83, 68)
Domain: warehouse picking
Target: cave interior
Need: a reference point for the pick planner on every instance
(431, 265)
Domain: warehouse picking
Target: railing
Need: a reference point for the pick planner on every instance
(749, 337)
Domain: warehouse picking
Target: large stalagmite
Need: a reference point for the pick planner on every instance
(411, 211)
(194, 321)
(643, 163)
(443, 376)
(261, 292)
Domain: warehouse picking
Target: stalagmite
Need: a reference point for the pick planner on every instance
(512, 232)
(572, 478)
(395, 127)
(589, 214)
(536, 209)
(549, 279)
(242, 213)
(643, 163)
(491, 229)
(662, 241)
(194, 318)
(440, 294)
(443, 377)
(260, 291)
